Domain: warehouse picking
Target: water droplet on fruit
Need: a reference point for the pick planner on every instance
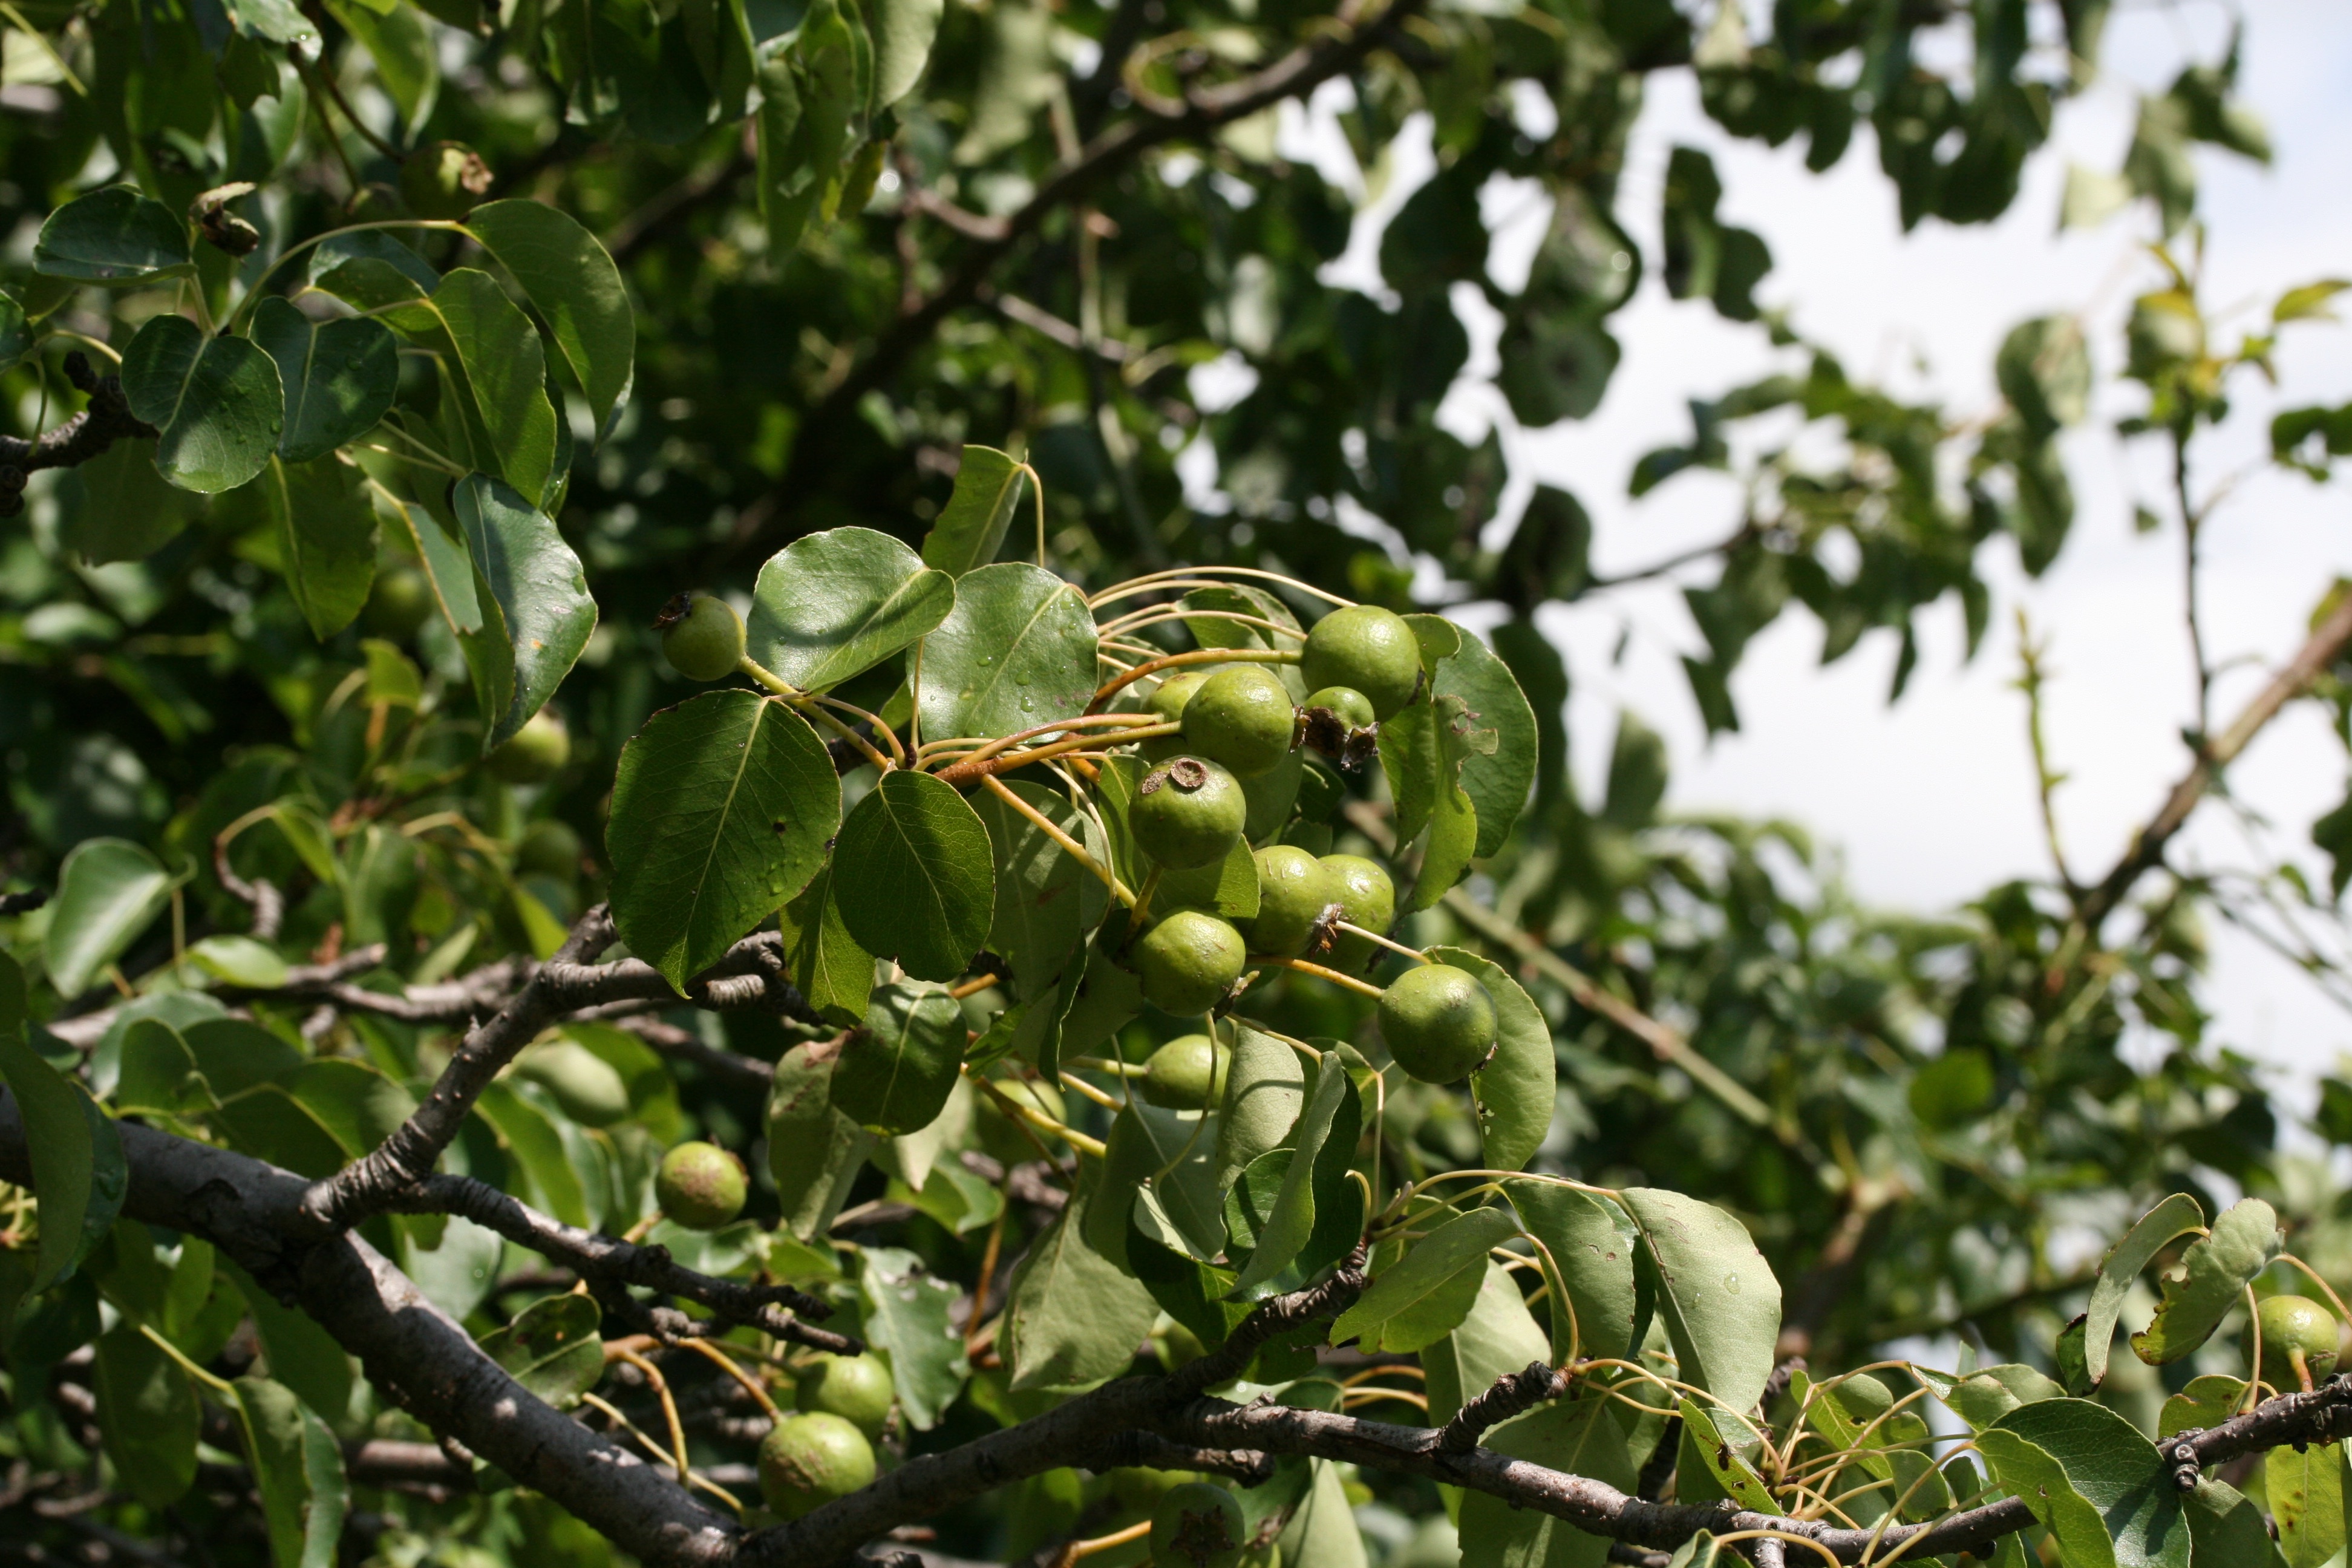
(1731, 1283)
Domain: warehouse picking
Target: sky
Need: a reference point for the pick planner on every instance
(1931, 801)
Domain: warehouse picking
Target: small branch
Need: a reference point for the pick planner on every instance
(260, 896)
(1512, 1393)
(105, 421)
(2148, 845)
(627, 1263)
(23, 903)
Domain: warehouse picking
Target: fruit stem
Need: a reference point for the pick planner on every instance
(986, 746)
(660, 1386)
(726, 1363)
(1070, 846)
(1104, 1542)
(980, 765)
(1176, 577)
(898, 753)
(1043, 1123)
(805, 703)
(973, 987)
(1160, 614)
(1143, 901)
(1318, 971)
(1108, 1101)
(1101, 1065)
(1412, 953)
(1197, 656)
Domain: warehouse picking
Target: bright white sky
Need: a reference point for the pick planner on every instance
(1932, 801)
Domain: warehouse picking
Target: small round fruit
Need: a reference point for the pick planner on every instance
(1293, 890)
(700, 1185)
(2296, 1326)
(1187, 812)
(589, 1089)
(1351, 707)
(548, 848)
(1366, 649)
(1188, 961)
(1188, 1073)
(444, 180)
(1136, 1488)
(1438, 1021)
(705, 640)
(536, 753)
(1241, 717)
(1197, 1525)
(397, 604)
(1367, 899)
(808, 1460)
(855, 1388)
(1168, 699)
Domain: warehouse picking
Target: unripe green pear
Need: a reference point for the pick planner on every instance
(702, 637)
(444, 180)
(1138, 1489)
(700, 1185)
(1367, 899)
(1243, 718)
(857, 1388)
(1365, 648)
(1439, 1022)
(1293, 890)
(1168, 699)
(1187, 812)
(2297, 1328)
(1188, 961)
(1346, 704)
(589, 1089)
(1197, 1525)
(535, 754)
(1188, 1073)
(808, 1460)
(548, 848)
(398, 602)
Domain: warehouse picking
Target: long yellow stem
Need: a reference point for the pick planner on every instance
(1070, 846)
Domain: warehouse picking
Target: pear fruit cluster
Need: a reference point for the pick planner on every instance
(1238, 723)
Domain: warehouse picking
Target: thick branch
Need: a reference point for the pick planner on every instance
(1101, 160)
(627, 1263)
(2148, 847)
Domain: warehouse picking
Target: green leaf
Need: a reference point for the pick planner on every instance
(1716, 1444)
(339, 377)
(1017, 651)
(1718, 1299)
(295, 1350)
(15, 332)
(554, 1348)
(525, 572)
(326, 538)
(831, 973)
(1499, 1336)
(236, 1054)
(894, 1075)
(2044, 370)
(1423, 1296)
(113, 236)
(1576, 1438)
(2128, 1512)
(813, 91)
(533, 1144)
(914, 874)
(910, 1314)
(1989, 1393)
(239, 961)
(369, 268)
(1422, 751)
(1228, 887)
(215, 402)
(1071, 1319)
(1146, 1140)
(1323, 1533)
(495, 376)
(572, 282)
(1330, 1119)
(147, 1415)
(2308, 302)
(1591, 1243)
(1266, 1089)
(402, 48)
(2120, 1269)
(1046, 901)
(297, 1467)
(2215, 1273)
(447, 569)
(833, 605)
(2208, 1401)
(903, 33)
(315, 1117)
(2305, 1491)
(108, 892)
(2227, 1531)
(1497, 780)
(1192, 1293)
(158, 1073)
(971, 527)
(813, 1150)
(1516, 1090)
(78, 1173)
(116, 507)
(721, 807)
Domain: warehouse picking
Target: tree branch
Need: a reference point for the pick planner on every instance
(105, 421)
(2148, 847)
(1102, 159)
